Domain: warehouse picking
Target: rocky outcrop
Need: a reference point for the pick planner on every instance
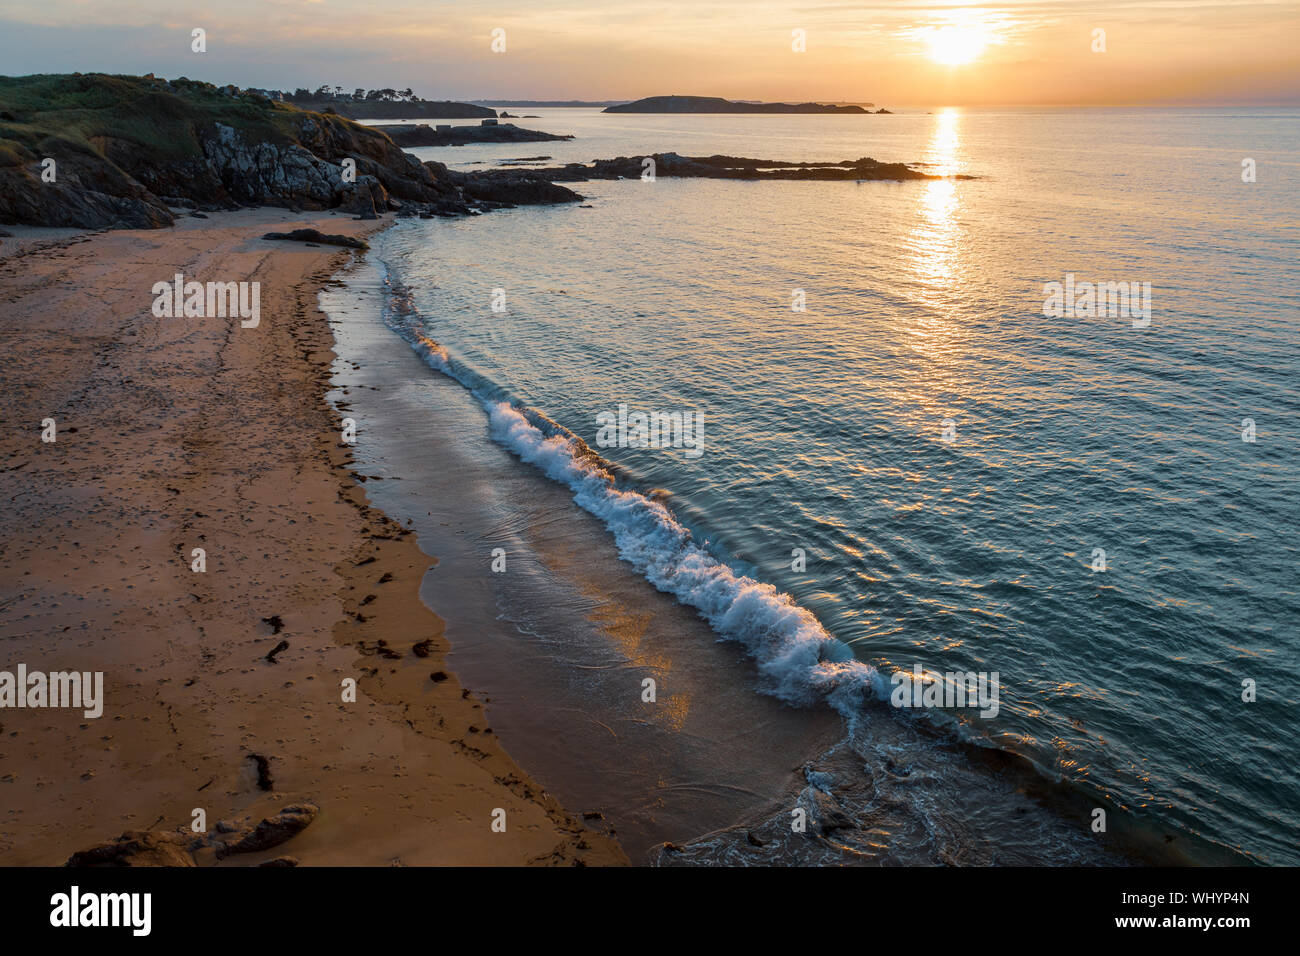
(138, 848)
(723, 167)
(178, 848)
(506, 187)
(408, 135)
(88, 192)
(272, 831)
(325, 239)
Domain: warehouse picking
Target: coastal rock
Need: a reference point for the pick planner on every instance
(273, 831)
(315, 235)
(722, 167)
(137, 848)
(258, 171)
(503, 187)
(826, 811)
(407, 135)
(520, 190)
(90, 193)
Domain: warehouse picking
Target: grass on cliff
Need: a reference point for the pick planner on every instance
(54, 113)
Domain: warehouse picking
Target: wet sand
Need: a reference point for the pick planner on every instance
(562, 640)
(176, 434)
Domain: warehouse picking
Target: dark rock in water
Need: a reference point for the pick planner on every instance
(525, 190)
(273, 831)
(734, 167)
(716, 167)
(753, 840)
(137, 848)
(315, 235)
(828, 813)
(423, 648)
(497, 187)
(198, 215)
(280, 861)
(408, 135)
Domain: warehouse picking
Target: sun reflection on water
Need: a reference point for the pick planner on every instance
(936, 276)
(936, 236)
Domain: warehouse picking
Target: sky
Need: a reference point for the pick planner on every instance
(889, 52)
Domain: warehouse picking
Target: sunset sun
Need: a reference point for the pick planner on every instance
(957, 44)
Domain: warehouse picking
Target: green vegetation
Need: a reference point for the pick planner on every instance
(53, 114)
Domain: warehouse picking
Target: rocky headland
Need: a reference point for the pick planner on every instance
(95, 151)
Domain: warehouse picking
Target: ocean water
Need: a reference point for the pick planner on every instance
(950, 462)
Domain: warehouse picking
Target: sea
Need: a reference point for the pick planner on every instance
(899, 454)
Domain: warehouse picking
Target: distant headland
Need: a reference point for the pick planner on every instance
(716, 104)
(385, 103)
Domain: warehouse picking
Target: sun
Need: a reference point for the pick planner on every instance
(954, 45)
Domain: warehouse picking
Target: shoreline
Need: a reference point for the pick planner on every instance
(673, 658)
(197, 432)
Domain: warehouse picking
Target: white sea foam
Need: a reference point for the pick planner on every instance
(800, 662)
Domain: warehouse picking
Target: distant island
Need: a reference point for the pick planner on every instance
(716, 104)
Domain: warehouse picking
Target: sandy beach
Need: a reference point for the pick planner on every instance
(182, 433)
